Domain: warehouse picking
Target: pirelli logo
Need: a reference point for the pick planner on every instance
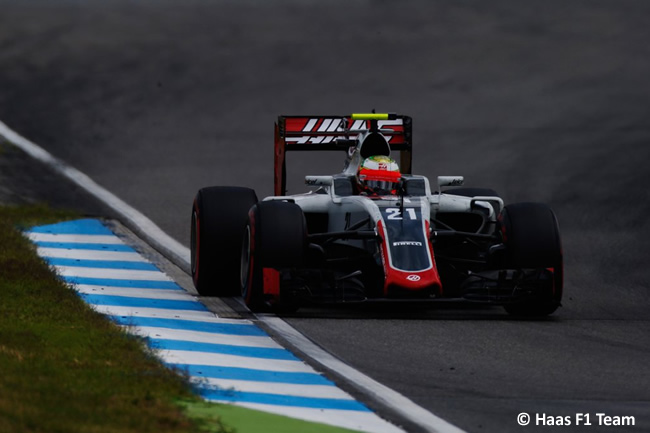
(407, 244)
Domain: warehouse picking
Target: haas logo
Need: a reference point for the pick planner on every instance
(313, 125)
(413, 277)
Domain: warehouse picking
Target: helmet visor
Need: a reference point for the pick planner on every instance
(381, 186)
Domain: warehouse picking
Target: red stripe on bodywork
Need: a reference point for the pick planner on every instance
(271, 281)
(278, 162)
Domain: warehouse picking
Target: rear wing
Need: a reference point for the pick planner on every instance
(337, 133)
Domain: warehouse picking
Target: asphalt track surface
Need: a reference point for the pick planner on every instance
(541, 100)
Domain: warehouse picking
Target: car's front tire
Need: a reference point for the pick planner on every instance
(219, 216)
(275, 237)
(531, 235)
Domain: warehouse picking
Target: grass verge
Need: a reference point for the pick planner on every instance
(66, 368)
(252, 421)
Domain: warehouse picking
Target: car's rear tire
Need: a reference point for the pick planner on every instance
(275, 237)
(219, 216)
(532, 238)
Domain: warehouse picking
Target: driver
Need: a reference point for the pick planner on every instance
(378, 175)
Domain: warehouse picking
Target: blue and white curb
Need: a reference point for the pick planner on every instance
(228, 360)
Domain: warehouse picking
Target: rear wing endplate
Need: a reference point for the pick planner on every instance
(337, 133)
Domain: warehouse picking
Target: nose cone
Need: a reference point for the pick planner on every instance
(412, 284)
(407, 256)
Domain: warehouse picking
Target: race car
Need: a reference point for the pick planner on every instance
(373, 231)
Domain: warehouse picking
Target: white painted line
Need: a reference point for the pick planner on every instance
(140, 223)
(180, 254)
(170, 295)
(314, 391)
(220, 360)
(400, 404)
(63, 253)
(76, 239)
(206, 337)
(360, 421)
(117, 274)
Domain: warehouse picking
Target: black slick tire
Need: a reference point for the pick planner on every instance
(274, 237)
(219, 216)
(532, 238)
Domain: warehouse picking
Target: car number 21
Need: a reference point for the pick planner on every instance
(395, 214)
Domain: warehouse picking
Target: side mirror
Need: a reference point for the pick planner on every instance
(450, 181)
(319, 180)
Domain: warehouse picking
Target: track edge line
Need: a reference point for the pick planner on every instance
(180, 255)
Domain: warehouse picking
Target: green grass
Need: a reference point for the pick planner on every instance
(66, 368)
(251, 421)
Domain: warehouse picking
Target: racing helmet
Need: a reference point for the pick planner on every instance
(379, 175)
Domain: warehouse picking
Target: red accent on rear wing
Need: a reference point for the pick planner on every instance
(321, 133)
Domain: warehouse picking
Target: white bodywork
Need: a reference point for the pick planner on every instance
(431, 203)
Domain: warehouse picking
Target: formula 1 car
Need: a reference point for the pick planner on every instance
(373, 231)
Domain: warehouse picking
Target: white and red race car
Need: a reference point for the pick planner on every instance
(344, 241)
